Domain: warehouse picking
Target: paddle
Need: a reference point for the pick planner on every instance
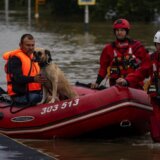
(89, 85)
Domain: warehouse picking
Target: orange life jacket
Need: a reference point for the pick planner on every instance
(29, 68)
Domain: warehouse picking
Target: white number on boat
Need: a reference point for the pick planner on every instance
(64, 105)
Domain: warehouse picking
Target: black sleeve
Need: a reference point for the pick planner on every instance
(15, 69)
(99, 79)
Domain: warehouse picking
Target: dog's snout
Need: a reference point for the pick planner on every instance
(37, 55)
(34, 53)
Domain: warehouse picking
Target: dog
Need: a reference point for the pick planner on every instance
(57, 86)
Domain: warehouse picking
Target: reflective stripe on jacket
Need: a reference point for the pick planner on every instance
(123, 63)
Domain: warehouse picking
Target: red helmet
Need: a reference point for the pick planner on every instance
(121, 23)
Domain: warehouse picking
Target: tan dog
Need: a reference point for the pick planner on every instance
(57, 86)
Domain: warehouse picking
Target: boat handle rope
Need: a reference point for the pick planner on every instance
(11, 105)
(20, 108)
(125, 123)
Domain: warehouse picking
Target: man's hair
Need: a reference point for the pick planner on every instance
(29, 36)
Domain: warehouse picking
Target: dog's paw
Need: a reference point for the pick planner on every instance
(48, 99)
(41, 102)
(52, 100)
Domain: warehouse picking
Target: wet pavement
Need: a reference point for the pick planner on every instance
(11, 149)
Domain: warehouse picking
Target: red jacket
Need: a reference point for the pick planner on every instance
(154, 87)
(139, 52)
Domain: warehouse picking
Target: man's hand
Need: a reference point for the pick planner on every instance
(121, 82)
(40, 78)
(94, 85)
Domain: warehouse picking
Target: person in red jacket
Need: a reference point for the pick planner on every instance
(154, 89)
(122, 57)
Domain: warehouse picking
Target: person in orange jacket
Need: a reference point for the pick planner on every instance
(22, 73)
(122, 57)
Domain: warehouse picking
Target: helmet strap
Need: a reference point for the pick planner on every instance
(122, 40)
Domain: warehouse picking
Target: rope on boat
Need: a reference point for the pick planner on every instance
(20, 108)
(9, 103)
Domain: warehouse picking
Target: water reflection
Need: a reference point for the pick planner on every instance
(100, 149)
(4, 154)
(6, 12)
(29, 14)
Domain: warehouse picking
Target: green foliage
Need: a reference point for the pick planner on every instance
(63, 8)
(137, 10)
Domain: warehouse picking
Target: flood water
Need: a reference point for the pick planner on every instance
(77, 53)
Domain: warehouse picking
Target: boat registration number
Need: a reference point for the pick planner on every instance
(62, 106)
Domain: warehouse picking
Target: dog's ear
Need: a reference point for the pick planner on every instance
(48, 53)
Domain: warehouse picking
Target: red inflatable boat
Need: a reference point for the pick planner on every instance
(94, 109)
